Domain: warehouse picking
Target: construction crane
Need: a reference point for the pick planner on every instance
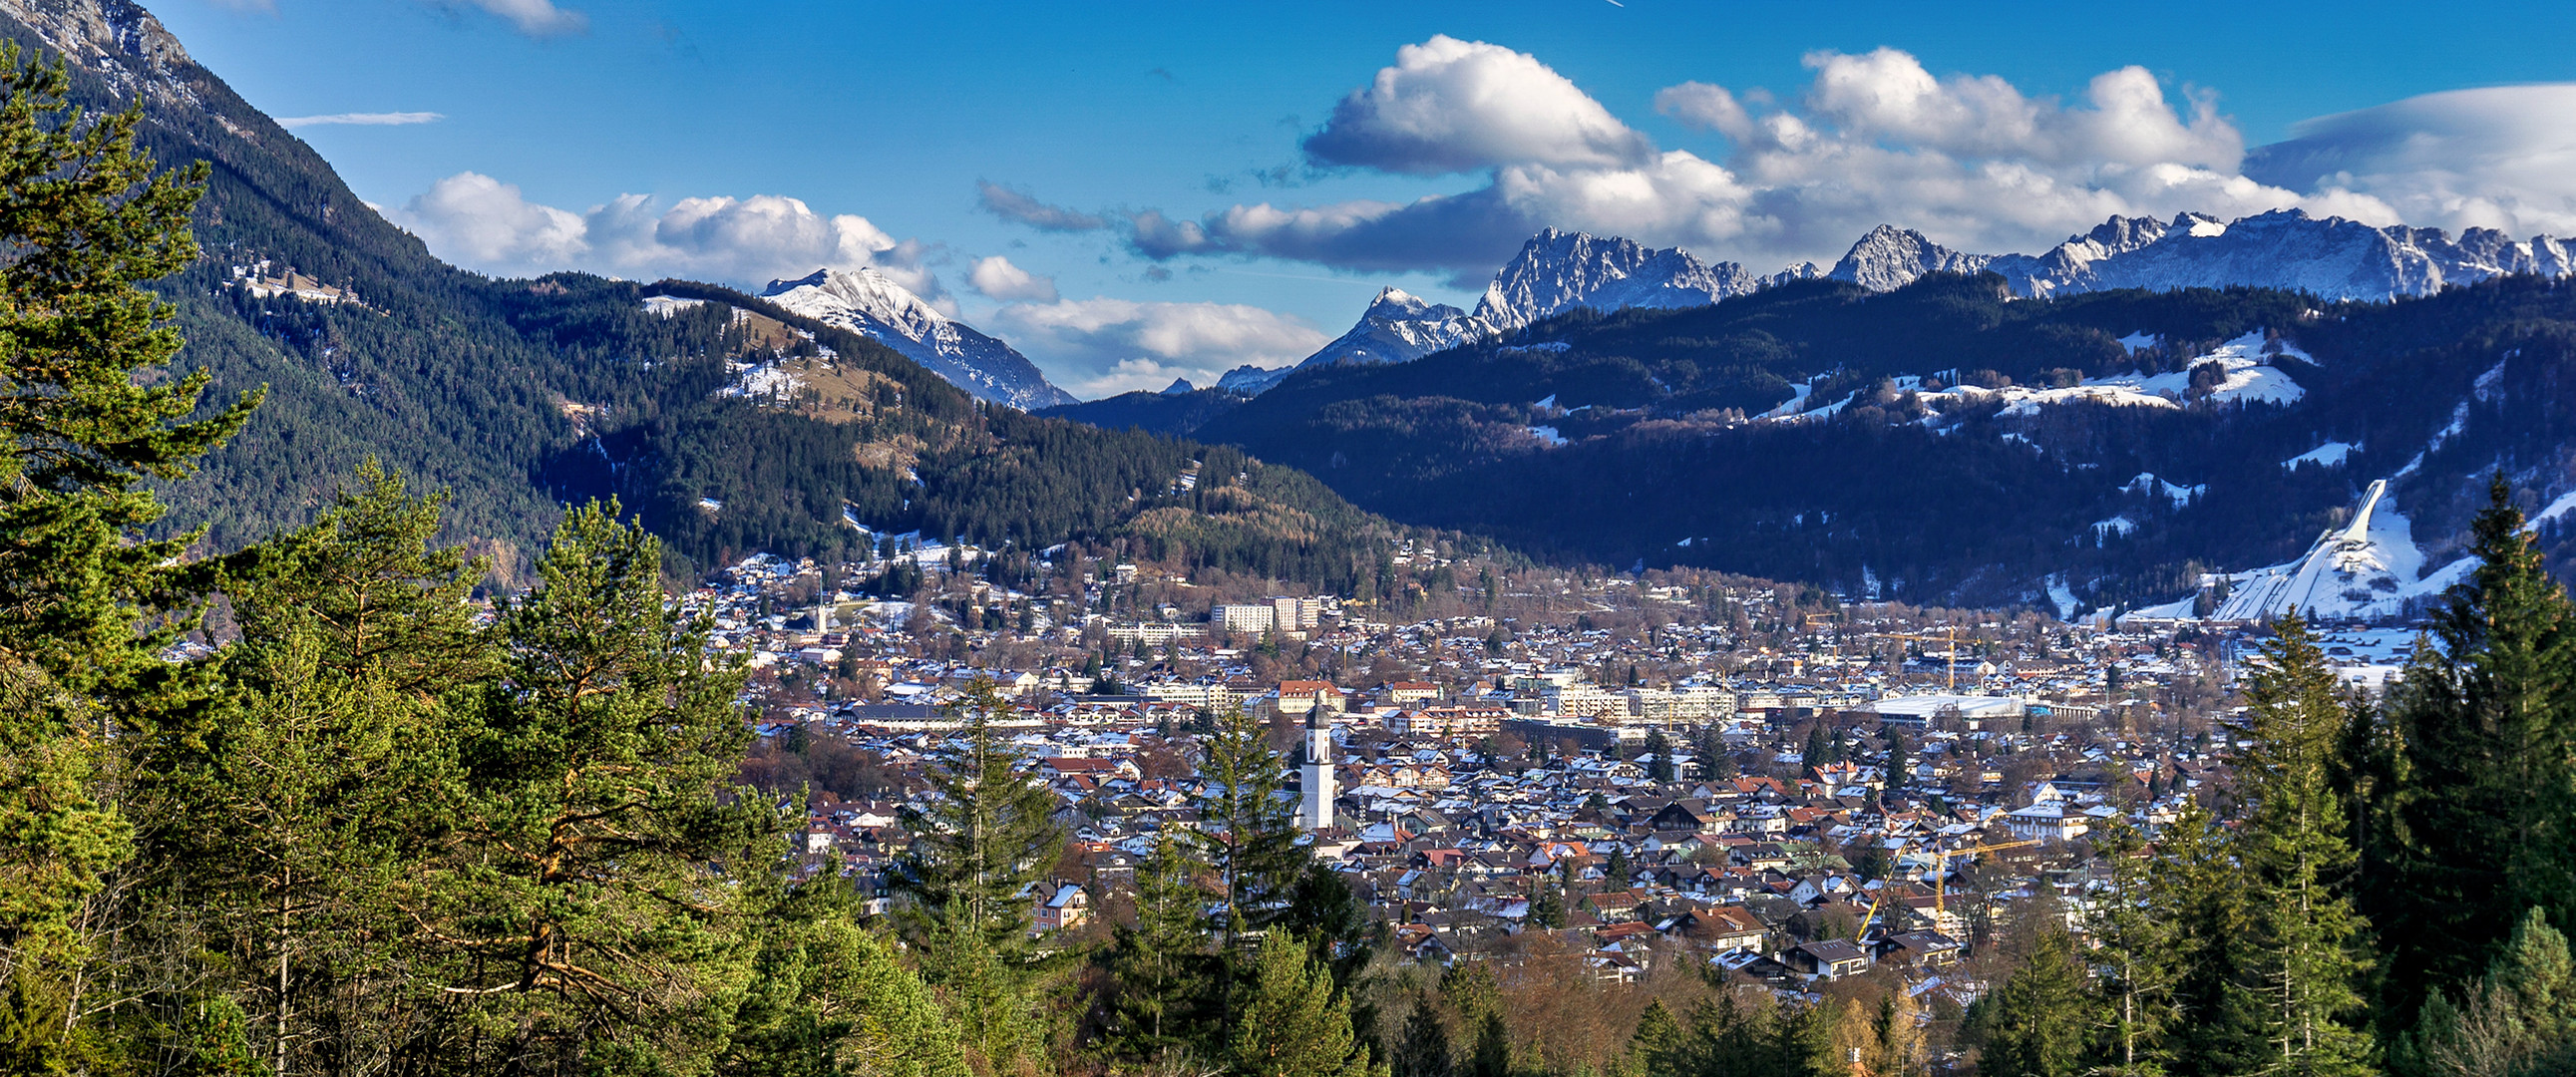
(1950, 635)
(1941, 869)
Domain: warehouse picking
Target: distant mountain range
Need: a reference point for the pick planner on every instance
(2330, 258)
(865, 302)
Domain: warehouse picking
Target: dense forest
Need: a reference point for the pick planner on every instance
(1651, 459)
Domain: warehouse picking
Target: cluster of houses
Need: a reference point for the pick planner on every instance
(1639, 795)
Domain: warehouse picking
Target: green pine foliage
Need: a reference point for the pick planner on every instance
(2302, 965)
(1291, 1021)
(91, 413)
(2478, 814)
(988, 835)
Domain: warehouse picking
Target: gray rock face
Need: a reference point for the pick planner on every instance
(1560, 271)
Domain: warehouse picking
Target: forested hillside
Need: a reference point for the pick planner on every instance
(1946, 441)
(520, 396)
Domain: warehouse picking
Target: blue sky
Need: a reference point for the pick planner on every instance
(1208, 184)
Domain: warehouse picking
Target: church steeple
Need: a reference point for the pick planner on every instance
(1315, 777)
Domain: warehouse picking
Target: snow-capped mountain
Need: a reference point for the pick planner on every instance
(2330, 257)
(1398, 327)
(1889, 258)
(864, 301)
(1555, 272)
(1558, 271)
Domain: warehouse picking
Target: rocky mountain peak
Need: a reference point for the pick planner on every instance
(870, 303)
(118, 39)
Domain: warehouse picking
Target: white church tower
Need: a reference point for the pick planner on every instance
(1315, 782)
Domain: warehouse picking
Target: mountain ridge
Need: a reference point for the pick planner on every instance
(868, 302)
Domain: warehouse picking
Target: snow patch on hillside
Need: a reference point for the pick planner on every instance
(2330, 454)
(2148, 483)
(668, 305)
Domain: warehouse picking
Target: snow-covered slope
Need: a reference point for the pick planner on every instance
(866, 302)
(1398, 327)
(2365, 570)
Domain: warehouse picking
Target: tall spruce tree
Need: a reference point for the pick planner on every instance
(2483, 810)
(1249, 832)
(2133, 958)
(2035, 1023)
(1162, 960)
(987, 834)
(2302, 933)
(89, 414)
(2196, 891)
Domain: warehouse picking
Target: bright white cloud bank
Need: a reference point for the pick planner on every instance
(1875, 138)
(1129, 345)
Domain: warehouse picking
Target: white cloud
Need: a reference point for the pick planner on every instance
(998, 278)
(2502, 157)
(1123, 345)
(535, 18)
(1970, 160)
(1457, 106)
(362, 119)
(480, 222)
(484, 224)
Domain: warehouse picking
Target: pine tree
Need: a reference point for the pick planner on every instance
(2035, 1022)
(1661, 747)
(2134, 938)
(2196, 891)
(2302, 931)
(274, 818)
(1547, 906)
(90, 414)
(1161, 961)
(2519, 1020)
(1656, 1047)
(1423, 1049)
(577, 807)
(1248, 829)
(988, 834)
(826, 997)
(1292, 1023)
(2484, 812)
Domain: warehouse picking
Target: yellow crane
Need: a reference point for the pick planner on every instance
(1941, 869)
(1950, 635)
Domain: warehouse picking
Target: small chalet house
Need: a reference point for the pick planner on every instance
(1919, 950)
(1061, 907)
(1828, 959)
(1684, 817)
(1723, 928)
